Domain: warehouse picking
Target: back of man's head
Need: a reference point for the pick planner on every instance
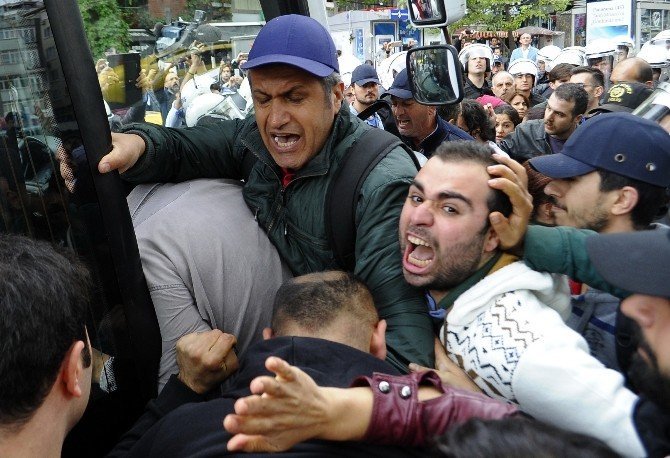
(44, 295)
(333, 305)
(631, 70)
(573, 93)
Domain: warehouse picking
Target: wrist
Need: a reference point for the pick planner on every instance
(348, 414)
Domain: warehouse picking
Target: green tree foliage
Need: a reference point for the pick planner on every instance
(508, 15)
(104, 26)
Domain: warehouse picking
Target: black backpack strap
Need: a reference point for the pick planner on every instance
(342, 195)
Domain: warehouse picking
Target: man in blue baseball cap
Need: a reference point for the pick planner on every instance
(288, 154)
(419, 125)
(610, 177)
(639, 262)
(365, 83)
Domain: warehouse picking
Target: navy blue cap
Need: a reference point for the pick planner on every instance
(638, 262)
(364, 74)
(295, 40)
(401, 87)
(617, 142)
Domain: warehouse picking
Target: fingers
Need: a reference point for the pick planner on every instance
(126, 150)
(414, 367)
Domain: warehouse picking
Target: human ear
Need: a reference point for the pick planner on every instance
(378, 340)
(73, 369)
(267, 333)
(627, 199)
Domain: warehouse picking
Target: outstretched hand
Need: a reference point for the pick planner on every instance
(284, 410)
(510, 177)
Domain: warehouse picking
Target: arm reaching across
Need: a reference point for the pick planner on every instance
(126, 150)
(291, 408)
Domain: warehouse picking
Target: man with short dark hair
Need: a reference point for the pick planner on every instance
(365, 83)
(638, 262)
(419, 126)
(595, 187)
(502, 322)
(326, 323)
(592, 81)
(45, 368)
(565, 109)
(288, 153)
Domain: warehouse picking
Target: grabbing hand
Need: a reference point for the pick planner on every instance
(206, 359)
(448, 371)
(126, 150)
(510, 177)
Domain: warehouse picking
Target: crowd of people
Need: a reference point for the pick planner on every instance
(508, 298)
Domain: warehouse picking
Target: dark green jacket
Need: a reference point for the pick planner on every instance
(293, 217)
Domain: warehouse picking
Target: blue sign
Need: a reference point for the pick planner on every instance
(401, 14)
(358, 37)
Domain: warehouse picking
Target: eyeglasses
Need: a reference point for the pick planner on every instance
(582, 85)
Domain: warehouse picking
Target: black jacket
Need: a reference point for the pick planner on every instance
(528, 140)
(444, 132)
(470, 91)
(653, 427)
(176, 425)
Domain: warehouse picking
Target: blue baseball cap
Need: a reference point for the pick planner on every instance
(637, 262)
(620, 143)
(364, 74)
(401, 87)
(295, 40)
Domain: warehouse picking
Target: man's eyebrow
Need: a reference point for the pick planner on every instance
(445, 194)
(286, 93)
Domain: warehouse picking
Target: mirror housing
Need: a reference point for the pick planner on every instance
(435, 74)
(435, 13)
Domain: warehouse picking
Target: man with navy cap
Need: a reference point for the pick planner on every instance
(419, 125)
(365, 82)
(288, 154)
(610, 177)
(639, 262)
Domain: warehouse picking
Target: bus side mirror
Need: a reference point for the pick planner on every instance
(435, 13)
(435, 75)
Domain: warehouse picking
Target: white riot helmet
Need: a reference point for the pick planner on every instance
(573, 55)
(547, 55)
(523, 67)
(600, 48)
(624, 47)
(214, 105)
(600, 54)
(655, 54)
(476, 50)
(662, 38)
(195, 87)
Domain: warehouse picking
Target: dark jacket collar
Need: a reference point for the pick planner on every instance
(328, 363)
(444, 131)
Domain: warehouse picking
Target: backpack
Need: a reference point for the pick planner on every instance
(343, 191)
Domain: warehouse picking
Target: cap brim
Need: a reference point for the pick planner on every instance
(633, 261)
(366, 81)
(560, 166)
(310, 66)
(611, 108)
(400, 93)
